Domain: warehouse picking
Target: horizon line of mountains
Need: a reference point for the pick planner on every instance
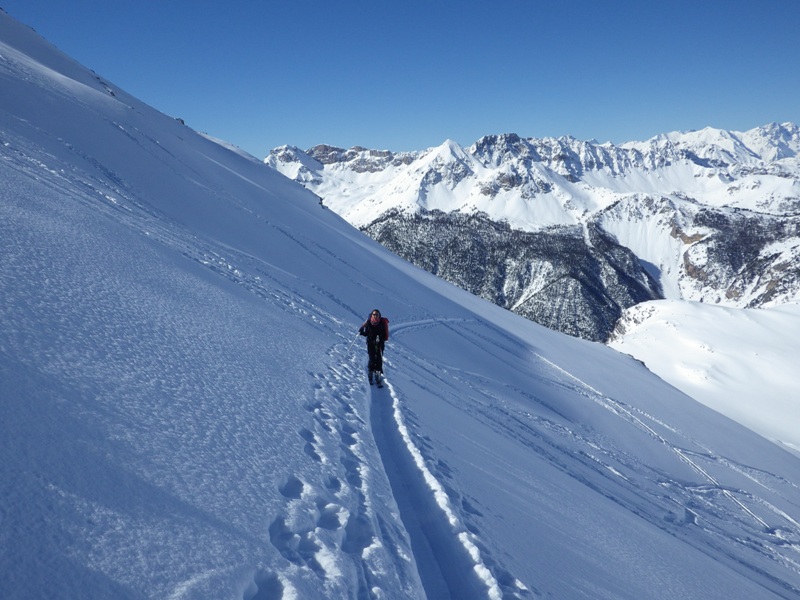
(571, 233)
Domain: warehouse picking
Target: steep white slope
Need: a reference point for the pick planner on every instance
(183, 415)
(742, 363)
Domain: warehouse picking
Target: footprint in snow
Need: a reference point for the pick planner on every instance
(292, 488)
(311, 444)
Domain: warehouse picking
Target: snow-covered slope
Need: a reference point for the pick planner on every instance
(742, 363)
(182, 414)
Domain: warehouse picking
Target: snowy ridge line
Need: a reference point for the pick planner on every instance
(615, 406)
(454, 524)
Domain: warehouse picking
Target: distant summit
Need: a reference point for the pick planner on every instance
(570, 179)
(709, 215)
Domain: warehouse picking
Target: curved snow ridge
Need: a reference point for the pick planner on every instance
(455, 525)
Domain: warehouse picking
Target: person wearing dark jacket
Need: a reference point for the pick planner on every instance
(376, 330)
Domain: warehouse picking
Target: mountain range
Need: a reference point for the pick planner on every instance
(571, 233)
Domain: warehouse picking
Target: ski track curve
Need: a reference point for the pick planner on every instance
(448, 555)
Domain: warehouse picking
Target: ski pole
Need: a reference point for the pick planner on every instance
(353, 342)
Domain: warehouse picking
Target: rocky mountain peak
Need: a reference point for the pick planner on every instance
(357, 159)
(710, 215)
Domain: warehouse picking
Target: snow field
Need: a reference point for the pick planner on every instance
(756, 386)
(181, 417)
(516, 417)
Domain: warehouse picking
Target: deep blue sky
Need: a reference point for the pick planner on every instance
(409, 75)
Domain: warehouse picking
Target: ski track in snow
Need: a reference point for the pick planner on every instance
(781, 542)
(449, 556)
(453, 565)
(772, 532)
(321, 524)
(628, 414)
(361, 505)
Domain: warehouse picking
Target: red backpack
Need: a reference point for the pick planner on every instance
(385, 322)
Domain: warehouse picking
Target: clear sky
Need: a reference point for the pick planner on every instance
(408, 75)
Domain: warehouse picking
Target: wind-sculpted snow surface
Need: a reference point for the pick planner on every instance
(183, 415)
